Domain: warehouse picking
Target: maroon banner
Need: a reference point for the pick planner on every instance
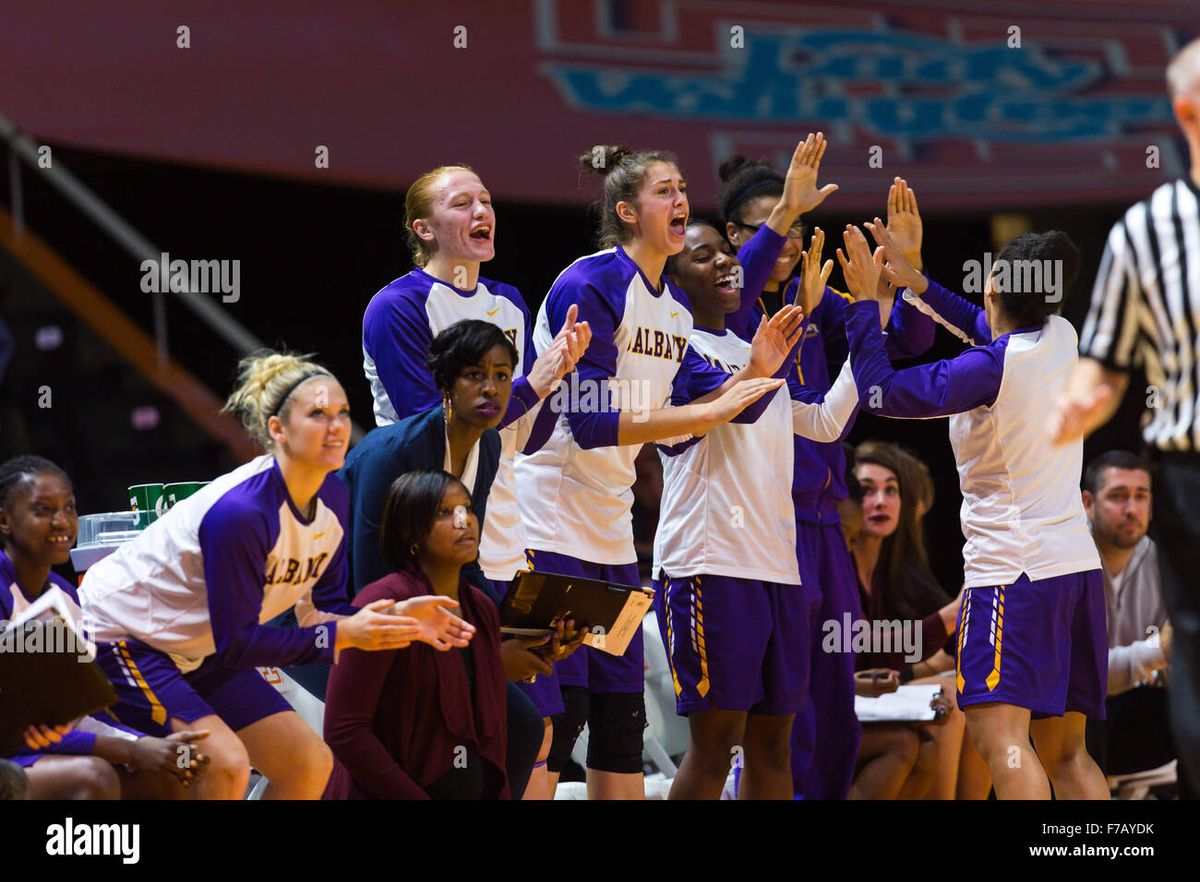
(1010, 105)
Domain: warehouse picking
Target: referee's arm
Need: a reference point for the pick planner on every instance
(1106, 347)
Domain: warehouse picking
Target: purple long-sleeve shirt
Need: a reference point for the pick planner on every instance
(952, 385)
(818, 479)
(205, 578)
(400, 323)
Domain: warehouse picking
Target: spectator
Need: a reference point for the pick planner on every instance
(1117, 498)
(897, 585)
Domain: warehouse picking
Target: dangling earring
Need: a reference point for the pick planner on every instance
(414, 549)
(447, 408)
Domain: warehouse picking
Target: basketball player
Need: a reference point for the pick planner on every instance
(1032, 642)
(178, 611)
(731, 608)
(824, 768)
(450, 225)
(576, 481)
(94, 759)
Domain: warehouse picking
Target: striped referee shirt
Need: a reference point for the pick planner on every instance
(1145, 309)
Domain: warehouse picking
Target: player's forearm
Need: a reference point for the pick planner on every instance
(118, 751)
(643, 427)
(782, 216)
(744, 373)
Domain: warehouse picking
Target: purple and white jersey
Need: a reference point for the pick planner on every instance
(205, 577)
(14, 600)
(403, 318)
(398, 328)
(1021, 511)
(575, 483)
(726, 504)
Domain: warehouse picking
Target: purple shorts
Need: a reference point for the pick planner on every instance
(736, 644)
(826, 734)
(1040, 645)
(544, 691)
(151, 690)
(594, 669)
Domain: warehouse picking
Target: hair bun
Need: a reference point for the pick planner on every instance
(1057, 245)
(730, 166)
(603, 158)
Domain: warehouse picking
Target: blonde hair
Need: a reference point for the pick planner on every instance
(266, 381)
(418, 203)
(1183, 73)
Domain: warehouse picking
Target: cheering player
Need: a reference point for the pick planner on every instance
(575, 484)
(824, 768)
(1032, 642)
(732, 611)
(450, 224)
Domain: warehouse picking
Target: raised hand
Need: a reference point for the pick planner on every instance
(814, 275)
(904, 220)
(861, 268)
(560, 358)
(800, 191)
(577, 335)
(897, 269)
(774, 340)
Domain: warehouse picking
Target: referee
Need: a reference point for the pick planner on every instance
(1146, 311)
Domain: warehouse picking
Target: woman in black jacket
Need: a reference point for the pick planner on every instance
(472, 363)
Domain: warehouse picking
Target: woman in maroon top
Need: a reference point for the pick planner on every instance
(894, 578)
(422, 724)
(896, 585)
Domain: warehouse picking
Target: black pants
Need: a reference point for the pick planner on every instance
(1176, 525)
(1136, 736)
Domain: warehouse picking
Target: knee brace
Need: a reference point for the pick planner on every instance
(567, 726)
(616, 721)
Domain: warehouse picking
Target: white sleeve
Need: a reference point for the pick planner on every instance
(522, 427)
(1133, 664)
(826, 421)
(99, 727)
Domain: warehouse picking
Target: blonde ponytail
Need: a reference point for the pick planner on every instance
(266, 380)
